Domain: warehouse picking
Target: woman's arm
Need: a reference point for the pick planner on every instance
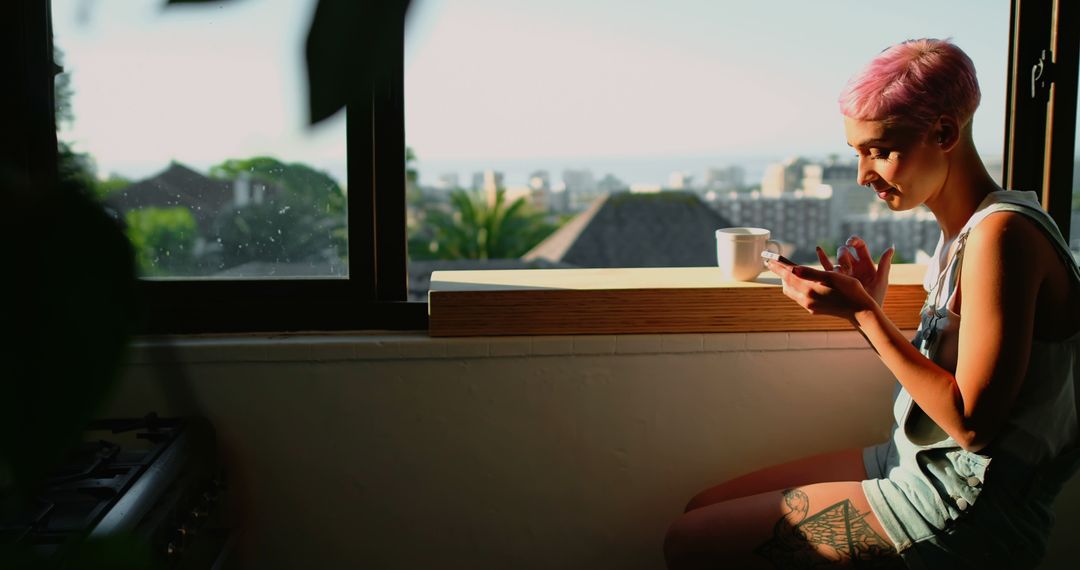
(1006, 262)
(997, 320)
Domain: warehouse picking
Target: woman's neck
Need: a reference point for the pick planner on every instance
(966, 186)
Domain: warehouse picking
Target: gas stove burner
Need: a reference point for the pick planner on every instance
(146, 477)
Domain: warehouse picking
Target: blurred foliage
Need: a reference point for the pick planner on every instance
(284, 229)
(302, 215)
(76, 167)
(476, 229)
(319, 189)
(105, 188)
(61, 90)
(80, 168)
(163, 240)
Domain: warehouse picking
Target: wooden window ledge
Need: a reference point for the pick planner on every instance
(640, 300)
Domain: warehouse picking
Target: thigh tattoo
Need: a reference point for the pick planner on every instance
(836, 536)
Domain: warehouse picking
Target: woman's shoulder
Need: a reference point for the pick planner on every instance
(1010, 236)
(1006, 224)
(1006, 256)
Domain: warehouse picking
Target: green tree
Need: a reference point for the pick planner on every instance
(72, 166)
(413, 196)
(302, 217)
(114, 183)
(76, 167)
(474, 229)
(319, 189)
(163, 240)
(283, 230)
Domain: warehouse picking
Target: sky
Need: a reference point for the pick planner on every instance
(234, 88)
(659, 85)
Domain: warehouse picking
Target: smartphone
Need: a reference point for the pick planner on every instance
(777, 257)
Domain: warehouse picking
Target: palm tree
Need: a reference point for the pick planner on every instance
(476, 229)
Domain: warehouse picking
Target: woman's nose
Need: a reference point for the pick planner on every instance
(866, 174)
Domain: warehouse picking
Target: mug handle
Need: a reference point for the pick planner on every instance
(772, 243)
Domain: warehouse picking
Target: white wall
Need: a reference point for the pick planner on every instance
(548, 452)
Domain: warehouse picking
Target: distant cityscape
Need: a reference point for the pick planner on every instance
(262, 217)
(804, 202)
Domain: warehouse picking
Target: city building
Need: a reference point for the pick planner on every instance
(679, 180)
(609, 184)
(724, 179)
(540, 180)
(558, 200)
(580, 187)
(447, 181)
(911, 234)
(488, 183)
(645, 188)
(772, 181)
(540, 190)
(513, 193)
(487, 180)
(799, 222)
(783, 177)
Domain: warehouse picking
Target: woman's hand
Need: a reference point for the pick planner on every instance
(823, 292)
(854, 260)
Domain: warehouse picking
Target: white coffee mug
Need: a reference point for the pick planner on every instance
(738, 252)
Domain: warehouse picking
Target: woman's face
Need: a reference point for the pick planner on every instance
(903, 169)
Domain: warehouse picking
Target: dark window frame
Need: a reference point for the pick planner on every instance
(374, 295)
(1040, 130)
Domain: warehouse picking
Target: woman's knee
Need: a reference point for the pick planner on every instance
(825, 523)
(844, 465)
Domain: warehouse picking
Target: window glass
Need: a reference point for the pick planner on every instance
(558, 133)
(189, 123)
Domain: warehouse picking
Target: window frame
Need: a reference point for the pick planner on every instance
(1034, 26)
(374, 294)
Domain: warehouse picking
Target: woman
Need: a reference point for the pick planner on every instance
(986, 409)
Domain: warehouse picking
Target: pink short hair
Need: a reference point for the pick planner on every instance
(911, 84)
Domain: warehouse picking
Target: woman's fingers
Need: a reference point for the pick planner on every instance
(846, 259)
(885, 263)
(808, 287)
(824, 259)
(787, 275)
(862, 253)
(811, 274)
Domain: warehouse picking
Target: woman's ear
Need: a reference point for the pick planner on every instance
(946, 132)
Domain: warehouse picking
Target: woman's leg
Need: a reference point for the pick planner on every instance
(846, 465)
(823, 524)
